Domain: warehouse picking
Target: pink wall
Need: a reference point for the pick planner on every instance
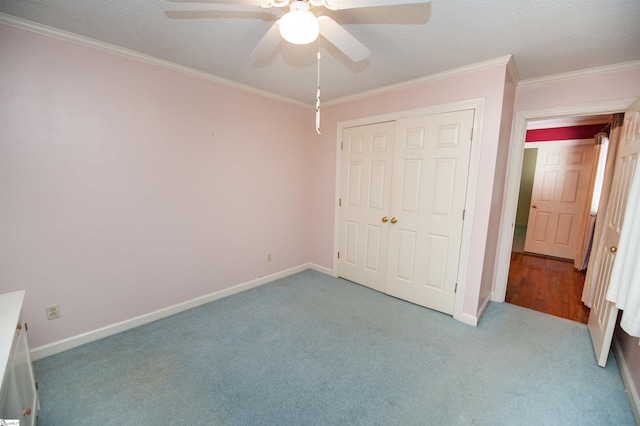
(589, 89)
(126, 187)
(497, 198)
(487, 83)
(631, 354)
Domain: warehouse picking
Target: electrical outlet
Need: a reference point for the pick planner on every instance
(269, 258)
(53, 312)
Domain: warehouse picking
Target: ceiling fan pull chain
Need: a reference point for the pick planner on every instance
(318, 95)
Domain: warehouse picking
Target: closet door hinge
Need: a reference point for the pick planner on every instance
(463, 212)
(471, 136)
(341, 146)
(455, 290)
(339, 202)
(338, 255)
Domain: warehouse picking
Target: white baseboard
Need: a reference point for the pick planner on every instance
(467, 319)
(483, 307)
(81, 339)
(632, 393)
(470, 319)
(322, 269)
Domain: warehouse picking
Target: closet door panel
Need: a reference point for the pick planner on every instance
(430, 204)
(367, 158)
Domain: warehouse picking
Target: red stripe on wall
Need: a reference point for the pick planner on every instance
(563, 133)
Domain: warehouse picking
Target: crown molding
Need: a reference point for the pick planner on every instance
(502, 61)
(589, 72)
(132, 54)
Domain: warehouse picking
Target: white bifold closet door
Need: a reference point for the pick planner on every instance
(403, 193)
(367, 157)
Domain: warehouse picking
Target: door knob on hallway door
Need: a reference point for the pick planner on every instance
(534, 206)
(385, 219)
(394, 220)
(613, 249)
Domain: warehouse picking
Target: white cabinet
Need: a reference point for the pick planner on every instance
(18, 396)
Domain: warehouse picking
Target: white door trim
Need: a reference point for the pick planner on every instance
(512, 188)
(478, 105)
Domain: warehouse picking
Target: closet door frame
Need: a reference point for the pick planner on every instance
(478, 105)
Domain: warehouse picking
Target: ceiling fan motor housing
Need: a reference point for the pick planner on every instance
(299, 26)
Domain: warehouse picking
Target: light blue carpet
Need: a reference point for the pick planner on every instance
(314, 350)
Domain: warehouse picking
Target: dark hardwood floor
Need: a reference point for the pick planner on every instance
(547, 285)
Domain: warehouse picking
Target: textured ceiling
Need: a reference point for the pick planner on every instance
(407, 42)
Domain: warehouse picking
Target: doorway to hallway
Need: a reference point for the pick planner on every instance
(542, 276)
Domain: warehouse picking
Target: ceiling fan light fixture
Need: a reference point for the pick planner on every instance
(299, 26)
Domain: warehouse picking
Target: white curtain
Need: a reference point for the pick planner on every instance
(624, 285)
(585, 237)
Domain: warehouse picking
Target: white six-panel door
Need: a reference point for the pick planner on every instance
(603, 315)
(560, 187)
(402, 206)
(431, 164)
(367, 156)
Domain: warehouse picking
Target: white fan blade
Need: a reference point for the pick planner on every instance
(258, 3)
(269, 42)
(342, 39)
(352, 4)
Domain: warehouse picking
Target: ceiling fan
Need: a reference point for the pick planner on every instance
(302, 26)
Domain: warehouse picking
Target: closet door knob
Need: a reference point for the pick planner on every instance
(385, 219)
(534, 206)
(613, 249)
(394, 220)
(26, 411)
